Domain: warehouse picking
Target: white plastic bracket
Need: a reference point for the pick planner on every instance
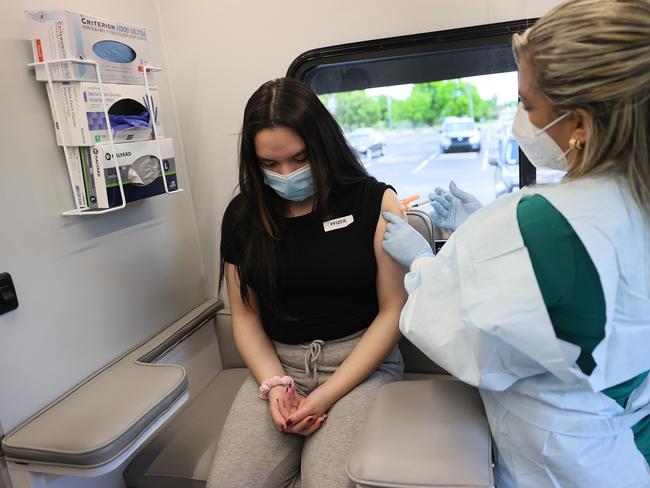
(145, 70)
(84, 209)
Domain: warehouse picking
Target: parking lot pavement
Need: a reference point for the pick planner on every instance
(414, 165)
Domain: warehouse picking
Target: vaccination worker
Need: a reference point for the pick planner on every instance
(315, 299)
(542, 298)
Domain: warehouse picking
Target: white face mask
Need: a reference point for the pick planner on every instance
(537, 145)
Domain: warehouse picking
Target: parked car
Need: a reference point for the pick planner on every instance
(503, 124)
(367, 142)
(506, 173)
(460, 134)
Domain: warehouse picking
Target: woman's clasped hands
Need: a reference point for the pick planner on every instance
(295, 414)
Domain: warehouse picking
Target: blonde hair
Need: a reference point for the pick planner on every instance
(595, 55)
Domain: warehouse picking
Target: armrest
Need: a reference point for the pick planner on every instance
(96, 422)
(107, 414)
(429, 433)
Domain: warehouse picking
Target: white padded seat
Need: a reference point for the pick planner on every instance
(181, 455)
(430, 433)
(112, 412)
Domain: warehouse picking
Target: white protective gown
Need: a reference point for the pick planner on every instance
(477, 311)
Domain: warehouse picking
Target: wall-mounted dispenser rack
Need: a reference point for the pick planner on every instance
(81, 208)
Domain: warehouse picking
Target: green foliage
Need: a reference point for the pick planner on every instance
(427, 105)
(356, 109)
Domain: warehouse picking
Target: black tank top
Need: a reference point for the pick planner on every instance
(327, 278)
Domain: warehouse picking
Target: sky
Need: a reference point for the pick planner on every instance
(503, 85)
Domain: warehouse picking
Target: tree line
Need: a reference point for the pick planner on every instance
(427, 105)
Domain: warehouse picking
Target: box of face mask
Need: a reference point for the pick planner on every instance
(117, 48)
(139, 168)
(80, 109)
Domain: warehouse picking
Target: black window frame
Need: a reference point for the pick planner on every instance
(430, 42)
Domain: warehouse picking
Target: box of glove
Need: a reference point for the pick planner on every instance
(82, 122)
(139, 168)
(119, 49)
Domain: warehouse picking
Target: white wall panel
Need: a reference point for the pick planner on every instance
(90, 288)
(503, 10)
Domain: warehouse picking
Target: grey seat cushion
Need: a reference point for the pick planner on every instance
(106, 414)
(181, 455)
(97, 421)
(429, 433)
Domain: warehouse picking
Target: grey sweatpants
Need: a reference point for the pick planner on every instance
(252, 453)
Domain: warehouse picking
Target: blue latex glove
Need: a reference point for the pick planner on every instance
(403, 242)
(121, 122)
(450, 209)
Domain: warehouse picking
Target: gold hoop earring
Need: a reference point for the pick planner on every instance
(576, 144)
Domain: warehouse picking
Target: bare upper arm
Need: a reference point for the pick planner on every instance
(390, 274)
(389, 203)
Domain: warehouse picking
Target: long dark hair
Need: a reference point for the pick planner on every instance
(288, 103)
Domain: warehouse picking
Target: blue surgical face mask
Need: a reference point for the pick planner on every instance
(296, 186)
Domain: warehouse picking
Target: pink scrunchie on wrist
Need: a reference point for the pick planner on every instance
(269, 383)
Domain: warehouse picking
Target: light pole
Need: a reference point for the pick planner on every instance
(389, 115)
(468, 93)
(468, 90)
